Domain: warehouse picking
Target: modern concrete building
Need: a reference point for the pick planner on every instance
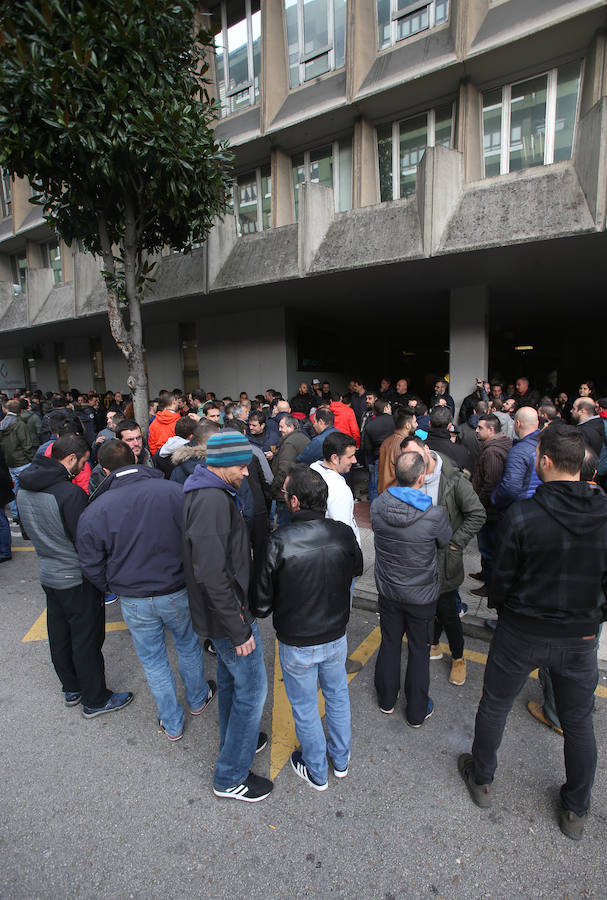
(420, 188)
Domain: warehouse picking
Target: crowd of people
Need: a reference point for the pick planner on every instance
(218, 512)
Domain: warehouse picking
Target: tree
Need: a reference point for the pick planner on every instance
(103, 106)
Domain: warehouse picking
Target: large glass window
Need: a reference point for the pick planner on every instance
(316, 37)
(6, 194)
(330, 165)
(252, 201)
(532, 122)
(400, 19)
(238, 54)
(401, 145)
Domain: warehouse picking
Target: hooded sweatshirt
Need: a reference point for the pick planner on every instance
(49, 508)
(550, 569)
(161, 429)
(217, 558)
(408, 532)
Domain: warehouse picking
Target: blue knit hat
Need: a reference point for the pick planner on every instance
(228, 448)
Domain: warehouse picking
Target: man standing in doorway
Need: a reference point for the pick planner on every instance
(218, 569)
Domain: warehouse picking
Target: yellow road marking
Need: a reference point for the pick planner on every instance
(21, 549)
(38, 631)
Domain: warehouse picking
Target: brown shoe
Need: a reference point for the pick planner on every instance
(480, 592)
(458, 671)
(478, 576)
(537, 712)
(436, 652)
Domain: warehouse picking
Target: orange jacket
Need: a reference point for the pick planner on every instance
(345, 420)
(161, 429)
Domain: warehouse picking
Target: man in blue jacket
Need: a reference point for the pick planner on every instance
(129, 543)
(324, 425)
(519, 479)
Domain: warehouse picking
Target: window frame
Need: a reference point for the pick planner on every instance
(335, 168)
(397, 14)
(550, 121)
(304, 58)
(259, 200)
(244, 85)
(430, 142)
(6, 194)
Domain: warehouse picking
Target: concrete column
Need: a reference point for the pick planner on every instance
(439, 190)
(469, 131)
(219, 244)
(361, 43)
(365, 182)
(590, 160)
(67, 261)
(274, 87)
(283, 201)
(468, 340)
(466, 17)
(595, 74)
(316, 212)
(21, 201)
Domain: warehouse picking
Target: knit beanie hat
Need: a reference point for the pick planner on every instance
(228, 448)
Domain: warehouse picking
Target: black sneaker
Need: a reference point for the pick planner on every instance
(209, 697)
(479, 792)
(300, 768)
(208, 646)
(429, 711)
(571, 824)
(252, 789)
(262, 742)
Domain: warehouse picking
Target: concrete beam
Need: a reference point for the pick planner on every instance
(283, 202)
(468, 340)
(361, 44)
(316, 213)
(440, 180)
(365, 181)
(469, 131)
(274, 87)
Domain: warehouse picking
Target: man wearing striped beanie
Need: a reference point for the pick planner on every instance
(217, 562)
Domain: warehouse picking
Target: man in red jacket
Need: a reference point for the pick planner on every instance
(163, 426)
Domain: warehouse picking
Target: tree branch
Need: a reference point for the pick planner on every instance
(117, 327)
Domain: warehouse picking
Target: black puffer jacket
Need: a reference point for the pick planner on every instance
(406, 542)
(305, 579)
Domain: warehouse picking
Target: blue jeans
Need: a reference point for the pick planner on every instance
(5, 536)
(302, 668)
(242, 686)
(146, 619)
(573, 667)
(15, 472)
(372, 481)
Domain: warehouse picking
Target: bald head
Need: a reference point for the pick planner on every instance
(526, 421)
(583, 408)
(283, 406)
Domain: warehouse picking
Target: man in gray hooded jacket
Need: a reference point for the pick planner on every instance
(408, 532)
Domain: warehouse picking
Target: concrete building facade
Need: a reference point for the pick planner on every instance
(420, 187)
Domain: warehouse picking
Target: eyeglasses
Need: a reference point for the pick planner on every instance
(286, 493)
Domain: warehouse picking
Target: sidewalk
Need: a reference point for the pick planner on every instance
(365, 592)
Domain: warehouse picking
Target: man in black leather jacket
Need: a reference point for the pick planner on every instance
(305, 582)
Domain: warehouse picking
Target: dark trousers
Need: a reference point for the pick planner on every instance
(573, 667)
(395, 620)
(486, 547)
(447, 617)
(76, 632)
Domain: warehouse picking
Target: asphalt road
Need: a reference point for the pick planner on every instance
(109, 808)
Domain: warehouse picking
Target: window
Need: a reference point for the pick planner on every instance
(6, 194)
(252, 201)
(401, 145)
(238, 55)
(316, 37)
(19, 271)
(51, 255)
(331, 166)
(531, 123)
(399, 19)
